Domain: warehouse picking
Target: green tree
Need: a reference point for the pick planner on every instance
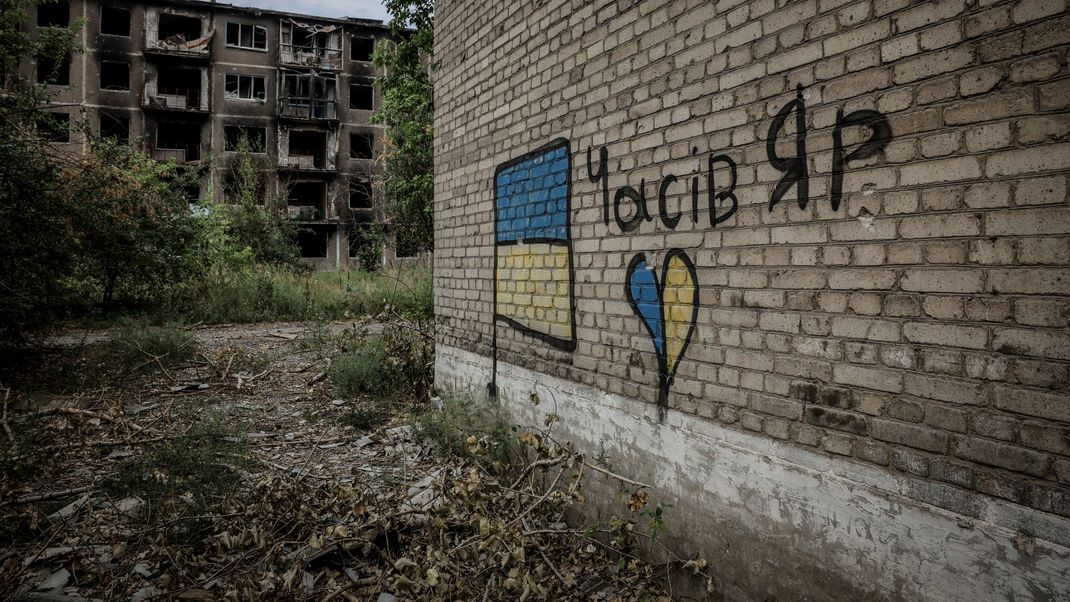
(407, 114)
(36, 227)
(254, 226)
(133, 226)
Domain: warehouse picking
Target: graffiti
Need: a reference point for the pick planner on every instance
(533, 273)
(881, 135)
(667, 308)
(795, 169)
(533, 263)
(637, 197)
(601, 175)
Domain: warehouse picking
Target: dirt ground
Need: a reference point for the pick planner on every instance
(334, 501)
(287, 406)
(275, 387)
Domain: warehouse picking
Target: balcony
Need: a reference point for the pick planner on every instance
(310, 46)
(310, 57)
(308, 108)
(178, 43)
(174, 98)
(304, 213)
(307, 201)
(310, 151)
(185, 154)
(176, 139)
(310, 164)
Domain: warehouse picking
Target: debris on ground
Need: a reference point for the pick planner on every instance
(235, 475)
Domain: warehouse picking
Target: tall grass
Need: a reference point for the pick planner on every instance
(397, 364)
(139, 346)
(269, 294)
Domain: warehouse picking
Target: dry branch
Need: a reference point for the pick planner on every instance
(44, 497)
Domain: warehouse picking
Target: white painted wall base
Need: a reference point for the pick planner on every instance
(777, 520)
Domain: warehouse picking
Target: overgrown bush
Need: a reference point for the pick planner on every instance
(398, 364)
(411, 346)
(470, 428)
(36, 229)
(134, 230)
(253, 229)
(369, 246)
(407, 115)
(366, 372)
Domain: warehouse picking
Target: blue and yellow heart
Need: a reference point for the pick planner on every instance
(667, 308)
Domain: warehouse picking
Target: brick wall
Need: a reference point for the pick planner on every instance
(868, 199)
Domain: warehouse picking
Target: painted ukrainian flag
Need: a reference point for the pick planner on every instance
(533, 245)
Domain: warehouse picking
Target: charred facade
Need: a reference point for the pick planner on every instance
(185, 80)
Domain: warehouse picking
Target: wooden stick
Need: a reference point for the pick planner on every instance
(3, 420)
(89, 414)
(616, 476)
(42, 497)
(303, 441)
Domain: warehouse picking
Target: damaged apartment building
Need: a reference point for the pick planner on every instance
(186, 80)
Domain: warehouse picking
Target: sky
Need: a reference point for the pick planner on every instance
(364, 9)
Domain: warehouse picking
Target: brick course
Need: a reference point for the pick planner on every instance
(921, 326)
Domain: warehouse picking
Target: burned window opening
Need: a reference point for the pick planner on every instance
(176, 88)
(360, 193)
(360, 145)
(114, 75)
(360, 235)
(177, 29)
(256, 136)
(246, 36)
(54, 127)
(307, 200)
(361, 96)
(192, 193)
(115, 21)
(54, 14)
(313, 242)
(307, 149)
(54, 72)
(115, 127)
(309, 96)
(317, 46)
(178, 140)
(361, 49)
(245, 87)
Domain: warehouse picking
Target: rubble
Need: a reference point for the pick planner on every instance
(319, 510)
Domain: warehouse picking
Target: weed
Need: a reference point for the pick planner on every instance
(187, 475)
(411, 346)
(318, 339)
(258, 294)
(655, 520)
(471, 429)
(139, 347)
(367, 371)
(366, 417)
(228, 361)
(407, 292)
